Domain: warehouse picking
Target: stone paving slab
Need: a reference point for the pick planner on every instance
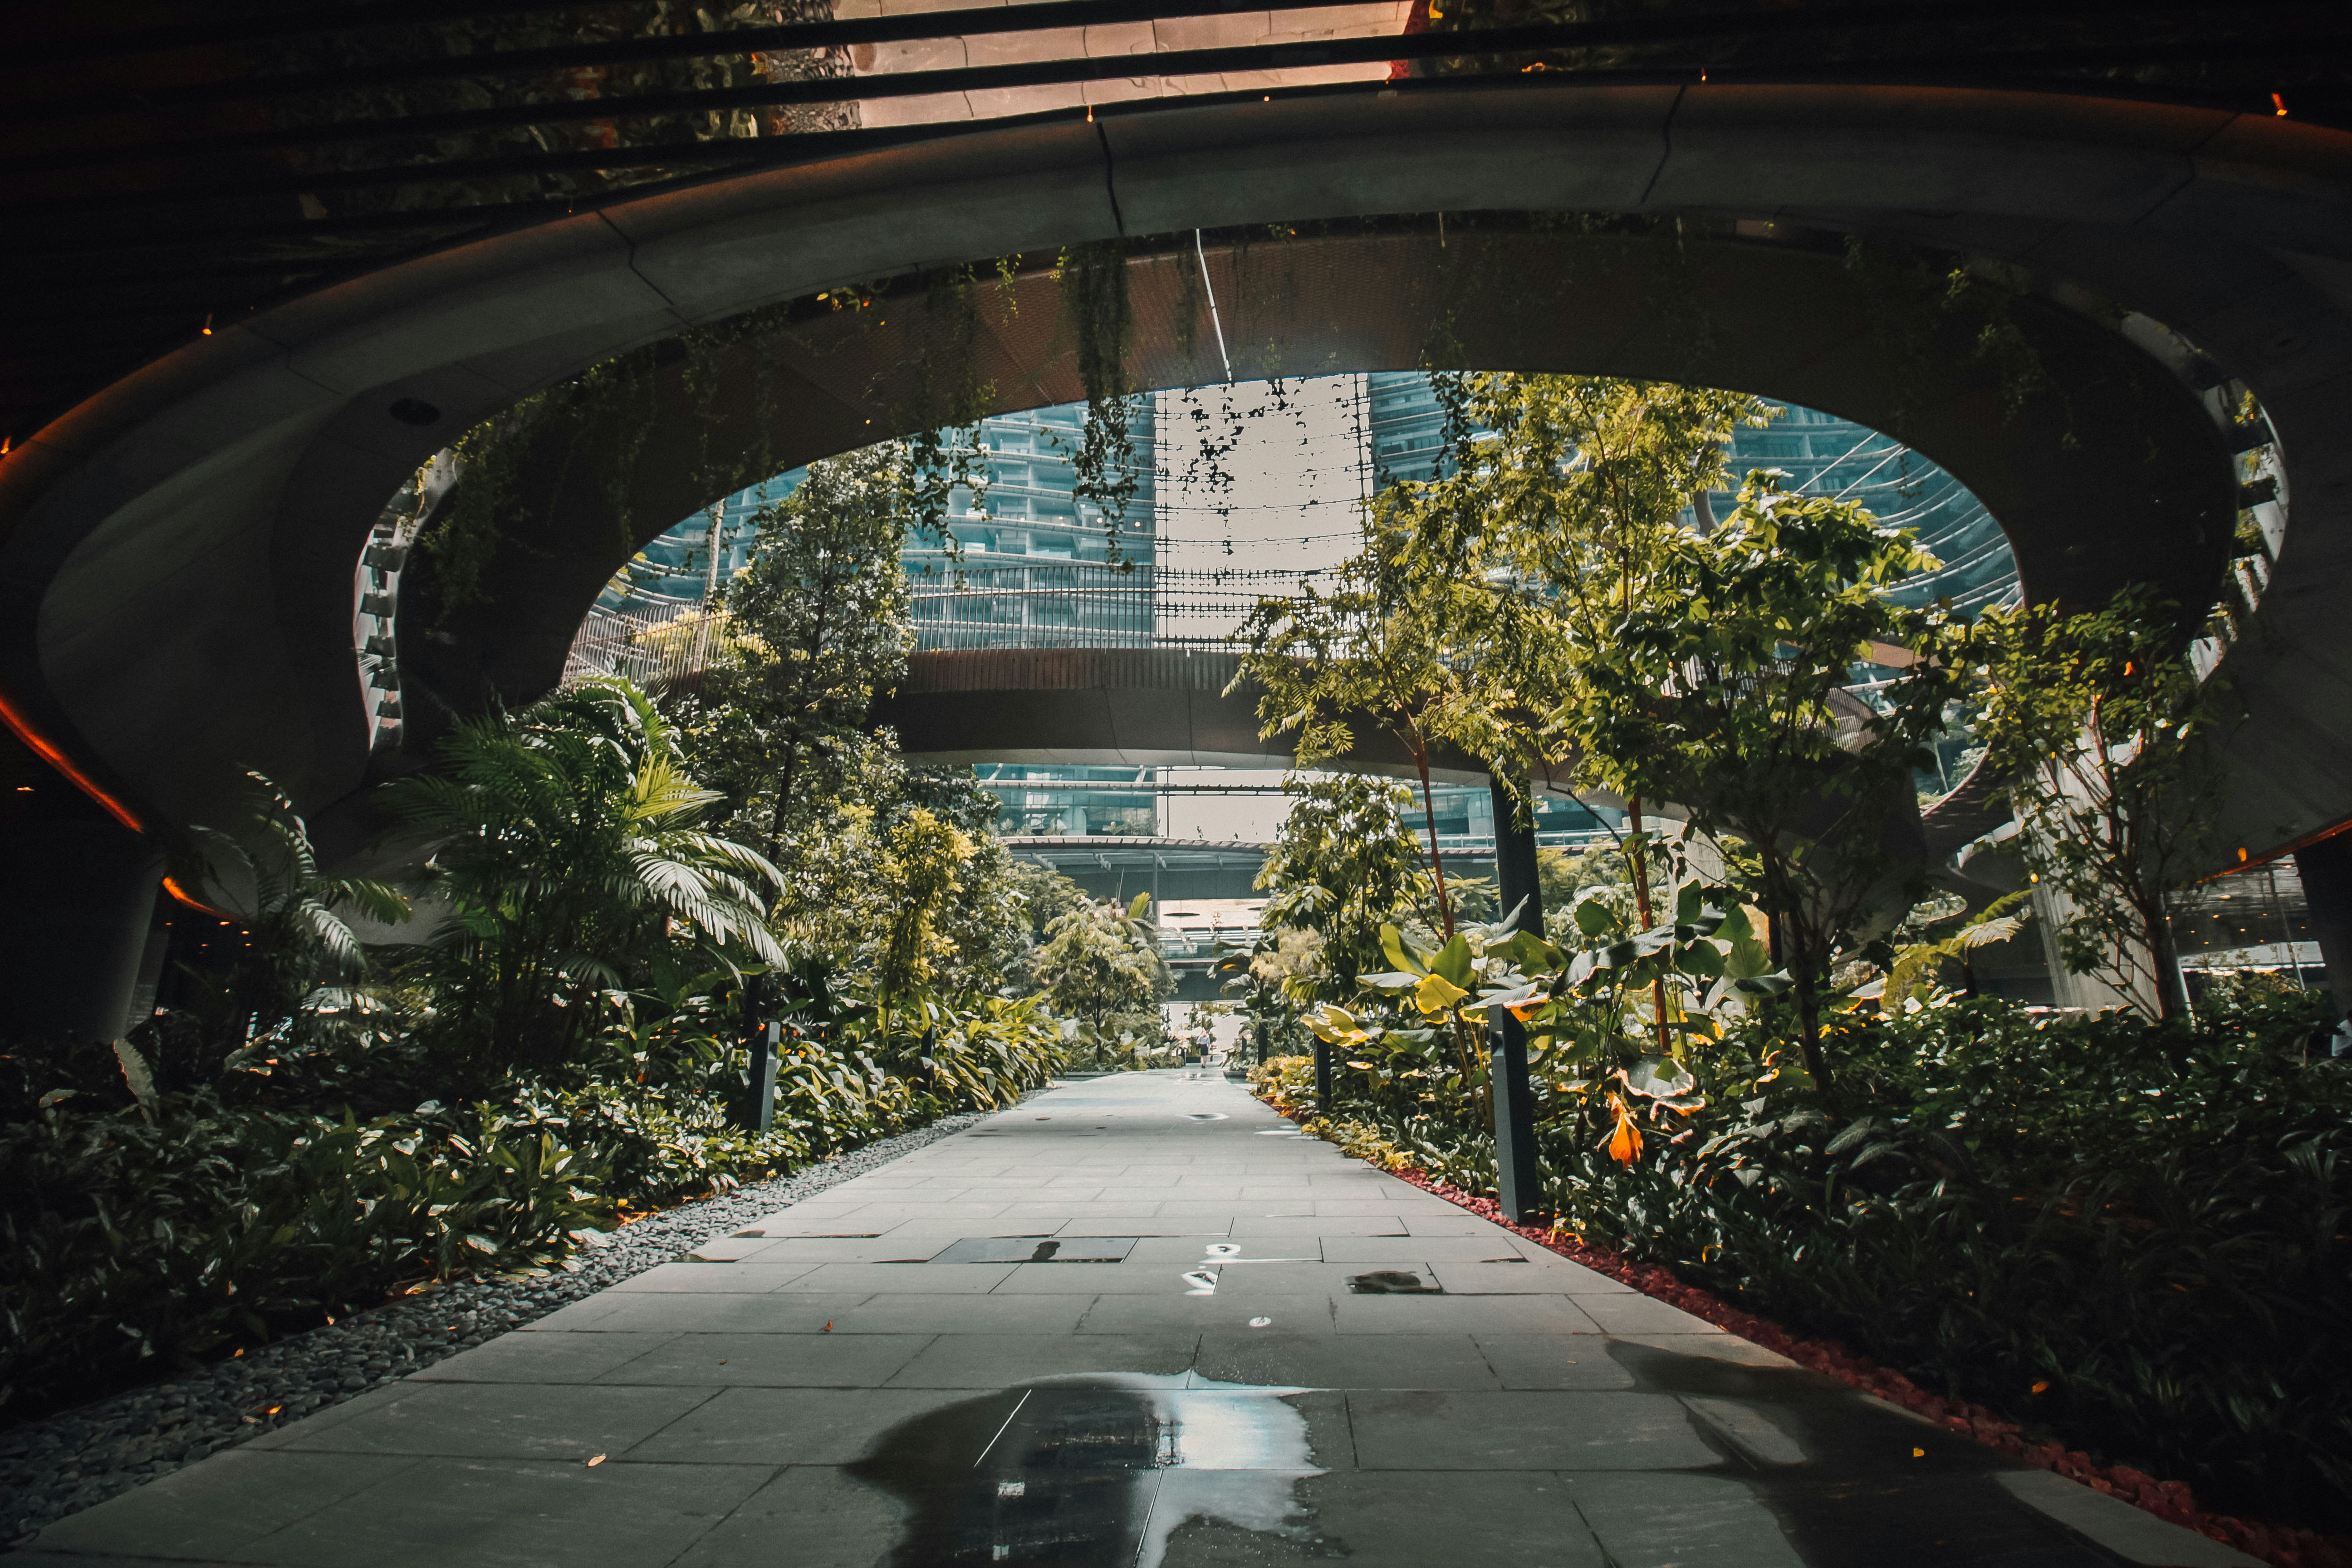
(1290, 1358)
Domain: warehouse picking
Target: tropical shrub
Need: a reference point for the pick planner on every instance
(2128, 1237)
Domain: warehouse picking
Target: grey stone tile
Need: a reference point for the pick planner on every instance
(1447, 1221)
(1147, 1224)
(1553, 1361)
(2129, 1532)
(810, 1251)
(1223, 1311)
(1634, 1313)
(1185, 1251)
(1404, 1519)
(1314, 1225)
(1489, 1248)
(1460, 1315)
(214, 1507)
(1528, 1278)
(1719, 1346)
(1000, 1361)
(1287, 1279)
(938, 1314)
(1515, 1431)
(1682, 1521)
(503, 1421)
(901, 1278)
(726, 1279)
(1151, 1279)
(771, 1361)
(332, 1416)
(461, 1513)
(550, 1357)
(646, 1312)
(1273, 1359)
(810, 1516)
(789, 1426)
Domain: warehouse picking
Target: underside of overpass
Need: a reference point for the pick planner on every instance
(177, 551)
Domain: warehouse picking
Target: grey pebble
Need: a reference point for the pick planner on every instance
(77, 1459)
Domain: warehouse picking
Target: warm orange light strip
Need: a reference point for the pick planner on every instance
(184, 896)
(57, 759)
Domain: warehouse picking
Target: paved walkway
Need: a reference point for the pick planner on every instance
(1140, 1321)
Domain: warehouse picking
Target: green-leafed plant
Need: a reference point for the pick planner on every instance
(2105, 734)
(568, 854)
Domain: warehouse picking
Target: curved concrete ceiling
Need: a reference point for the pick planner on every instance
(176, 570)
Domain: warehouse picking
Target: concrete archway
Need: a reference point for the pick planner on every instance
(176, 570)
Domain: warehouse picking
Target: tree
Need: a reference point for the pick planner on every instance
(819, 624)
(263, 866)
(1551, 527)
(1343, 865)
(1727, 689)
(2104, 733)
(568, 853)
(1098, 963)
(1378, 650)
(1562, 512)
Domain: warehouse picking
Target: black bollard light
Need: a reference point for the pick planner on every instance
(1323, 1077)
(763, 1076)
(1516, 1181)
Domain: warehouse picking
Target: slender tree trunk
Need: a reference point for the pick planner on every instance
(784, 795)
(1809, 1029)
(1436, 864)
(1638, 860)
(2172, 993)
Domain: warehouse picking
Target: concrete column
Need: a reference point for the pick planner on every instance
(1517, 1183)
(2325, 868)
(77, 900)
(1515, 875)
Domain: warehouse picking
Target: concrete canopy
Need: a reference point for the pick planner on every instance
(177, 563)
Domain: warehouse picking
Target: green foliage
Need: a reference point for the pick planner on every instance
(819, 618)
(1726, 690)
(568, 857)
(175, 1228)
(2104, 734)
(263, 868)
(1094, 287)
(1101, 967)
(1342, 864)
(2127, 1236)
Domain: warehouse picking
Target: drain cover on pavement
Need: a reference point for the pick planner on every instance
(1038, 1250)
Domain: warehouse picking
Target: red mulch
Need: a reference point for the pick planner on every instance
(2169, 1501)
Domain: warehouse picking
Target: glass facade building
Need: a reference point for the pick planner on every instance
(1034, 565)
(1029, 564)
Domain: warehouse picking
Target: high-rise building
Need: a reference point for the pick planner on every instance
(1031, 563)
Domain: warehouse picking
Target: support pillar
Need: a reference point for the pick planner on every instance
(1517, 877)
(77, 903)
(1517, 1184)
(2325, 868)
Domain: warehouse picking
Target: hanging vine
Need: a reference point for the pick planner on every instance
(1094, 290)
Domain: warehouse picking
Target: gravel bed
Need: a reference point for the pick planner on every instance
(65, 1463)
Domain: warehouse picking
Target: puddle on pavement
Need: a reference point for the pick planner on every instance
(1098, 1469)
(1853, 1484)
